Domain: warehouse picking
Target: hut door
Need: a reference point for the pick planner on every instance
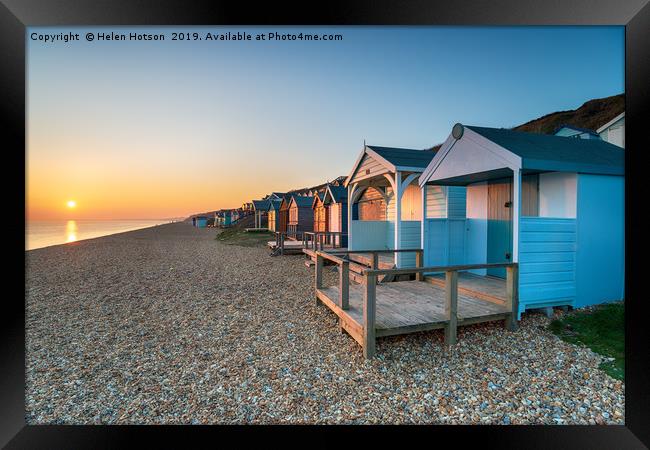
(499, 239)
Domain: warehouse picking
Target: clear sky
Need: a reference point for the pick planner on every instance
(151, 129)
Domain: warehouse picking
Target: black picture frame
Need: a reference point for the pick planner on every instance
(16, 15)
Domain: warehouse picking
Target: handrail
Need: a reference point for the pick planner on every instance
(409, 270)
(331, 257)
(399, 250)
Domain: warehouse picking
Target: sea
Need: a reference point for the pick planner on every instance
(39, 234)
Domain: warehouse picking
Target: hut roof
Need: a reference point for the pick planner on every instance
(274, 204)
(548, 152)
(394, 159)
(260, 205)
(302, 201)
(337, 194)
(404, 157)
(573, 127)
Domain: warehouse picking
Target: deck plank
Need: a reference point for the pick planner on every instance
(486, 287)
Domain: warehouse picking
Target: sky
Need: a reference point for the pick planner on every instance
(160, 129)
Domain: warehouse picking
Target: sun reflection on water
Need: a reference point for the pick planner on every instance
(71, 231)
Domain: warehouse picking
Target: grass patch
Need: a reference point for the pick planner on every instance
(602, 329)
(238, 236)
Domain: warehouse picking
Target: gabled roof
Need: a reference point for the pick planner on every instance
(274, 204)
(573, 127)
(260, 205)
(318, 198)
(336, 194)
(286, 200)
(302, 201)
(538, 150)
(404, 158)
(611, 122)
(394, 159)
(483, 153)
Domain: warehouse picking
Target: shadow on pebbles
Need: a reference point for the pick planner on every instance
(167, 325)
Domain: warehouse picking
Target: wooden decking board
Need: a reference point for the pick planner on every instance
(486, 287)
(408, 306)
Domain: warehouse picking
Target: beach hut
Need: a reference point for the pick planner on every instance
(227, 218)
(336, 204)
(273, 214)
(553, 205)
(260, 208)
(320, 213)
(614, 130)
(283, 212)
(247, 208)
(301, 216)
(384, 200)
(201, 221)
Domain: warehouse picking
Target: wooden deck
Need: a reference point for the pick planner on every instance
(374, 309)
(410, 306)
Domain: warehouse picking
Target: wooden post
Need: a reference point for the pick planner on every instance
(282, 243)
(397, 195)
(375, 261)
(318, 275)
(344, 285)
(419, 276)
(451, 306)
(512, 297)
(370, 286)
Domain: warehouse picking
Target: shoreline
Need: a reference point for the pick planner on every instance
(96, 237)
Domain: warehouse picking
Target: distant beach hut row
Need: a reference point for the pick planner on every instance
(223, 218)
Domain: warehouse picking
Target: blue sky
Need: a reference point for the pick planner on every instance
(252, 117)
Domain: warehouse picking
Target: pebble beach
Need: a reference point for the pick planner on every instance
(167, 325)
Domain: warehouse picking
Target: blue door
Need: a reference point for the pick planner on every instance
(499, 239)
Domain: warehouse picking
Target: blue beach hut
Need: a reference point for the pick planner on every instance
(552, 204)
(201, 221)
(384, 202)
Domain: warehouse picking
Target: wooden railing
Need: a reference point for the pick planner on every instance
(371, 274)
(342, 259)
(317, 240)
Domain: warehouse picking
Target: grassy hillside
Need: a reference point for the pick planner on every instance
(592, 115)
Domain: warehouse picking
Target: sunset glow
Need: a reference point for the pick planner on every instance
(71, 204)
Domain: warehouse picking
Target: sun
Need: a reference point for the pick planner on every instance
(71, 204)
